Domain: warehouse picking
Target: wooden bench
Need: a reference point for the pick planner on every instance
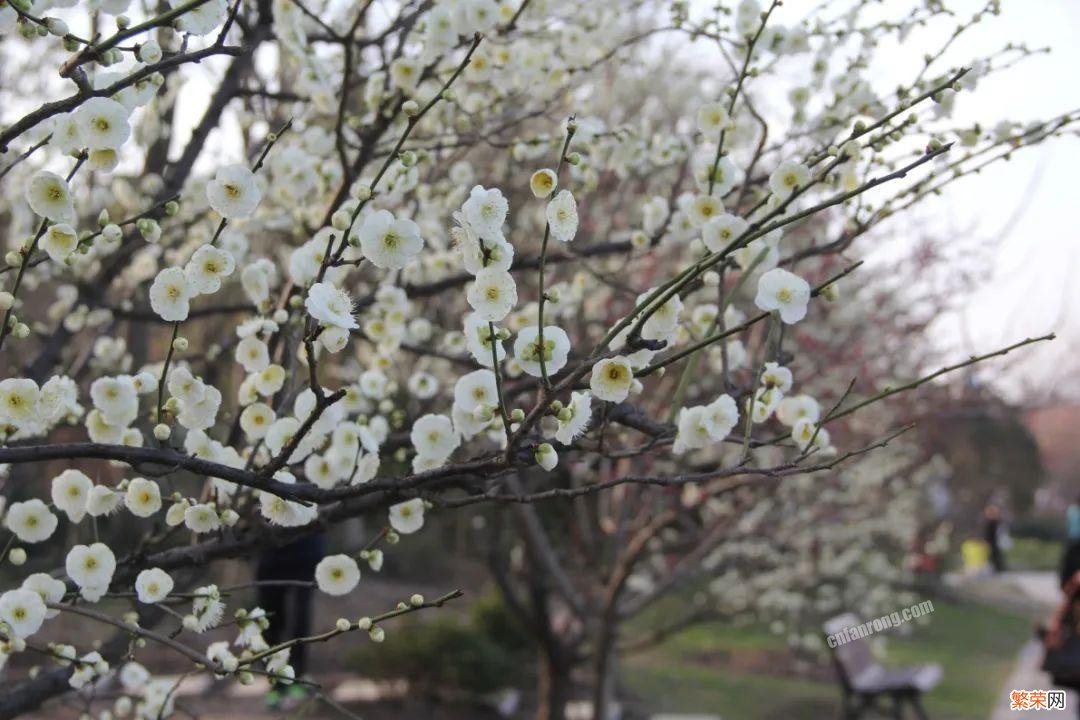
(867, 685)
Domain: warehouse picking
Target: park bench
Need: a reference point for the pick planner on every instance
(867, 685)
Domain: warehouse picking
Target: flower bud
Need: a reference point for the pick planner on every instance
(341, 220)
(162, 432)
(411, 108)
(343, 625)
(17, 556)
(543, 182)
(546, 457)
(377, 634)
(416, 600)
(517, 415)
(180, 344)
(56, 26)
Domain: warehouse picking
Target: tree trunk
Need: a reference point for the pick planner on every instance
(552, 685)
(603, 693)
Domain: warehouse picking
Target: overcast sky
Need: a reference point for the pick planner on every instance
(1022, 211)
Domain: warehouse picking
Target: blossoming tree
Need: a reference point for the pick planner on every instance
(407, 257)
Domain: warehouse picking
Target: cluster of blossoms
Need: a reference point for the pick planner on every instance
(264, 333)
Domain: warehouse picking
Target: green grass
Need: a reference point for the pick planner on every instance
(1029, 553)
(704, 669)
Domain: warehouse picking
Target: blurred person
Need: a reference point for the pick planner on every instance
(1061, 638)
(1070, 559)
(285, 577)
(995, 536)
(975, 555)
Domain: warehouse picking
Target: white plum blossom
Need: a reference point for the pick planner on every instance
(206, 268)
(203, 18)
(50, 589)
(143, 497)
(784, 292)
(798, 407)
(528, 353)
(722, 230)
(18, 400)
(49, 196)
(486, 210)
(153, 585)
(70, 493)
(407, 517)
(493, 294)
(562, 216)
(91, 566)
(59, 242)
(337, 574)
(30, 520)
(389, 243)
(102, 124)
(234, 192)
(331, 306)
(434, 437)
(788, 176)
(23, 611)
(170, 294)
(479, 340)
(574, 418)
(611, 379)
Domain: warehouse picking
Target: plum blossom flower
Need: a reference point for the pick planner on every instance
(787, 177)
(70, 492)
(170, 295)
(562, 216)
(434, 437)
(18, 400)
(102, 124)
(486, 210)
(527, 349)
(143, 497)
(234, 192)
(389, 243)
(337, 574)
(492, 294)
(331, 306)
(407, 517)
(206, 268)
(91, 566)
(23, 611)
(611, 379)
(574, 418)
(59, 242)
(30, 520)
(784, 292)
(153, 585)
(203, 18)
(49, 196)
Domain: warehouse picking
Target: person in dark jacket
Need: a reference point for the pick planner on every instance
(1070, 559)
(992, 535)
(285, 575)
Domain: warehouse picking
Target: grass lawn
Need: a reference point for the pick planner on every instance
(719, 669)
(1033, 554)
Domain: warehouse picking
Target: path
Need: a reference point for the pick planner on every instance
(1037, 593)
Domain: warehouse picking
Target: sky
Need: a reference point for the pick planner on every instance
(1020, 213)
(1025, 208)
